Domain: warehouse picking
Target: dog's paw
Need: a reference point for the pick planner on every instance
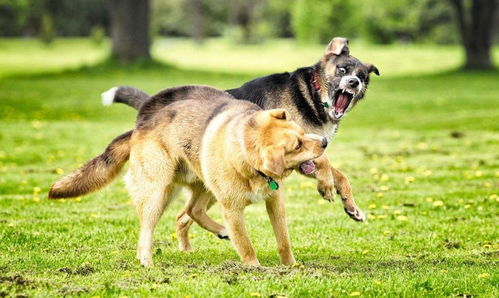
(355, 213)
(223, 234)
(326, 190)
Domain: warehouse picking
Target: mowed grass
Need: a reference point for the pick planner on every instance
(421, 152)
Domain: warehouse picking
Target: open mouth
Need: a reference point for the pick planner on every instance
(342, 99)
(307, 167)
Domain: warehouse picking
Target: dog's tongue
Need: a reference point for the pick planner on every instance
(341, 103)
(307, 167)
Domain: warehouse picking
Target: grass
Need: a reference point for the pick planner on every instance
(420, 152)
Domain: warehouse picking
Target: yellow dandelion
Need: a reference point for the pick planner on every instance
(370, 216)
(386, 232)
(36, 199)
(115, 252)
(397, 212)
(402, 218)
(173, 235)
(409, 179)
(373, 171)
(306, 184)
(487, 245)
(255, 294)
(295, 265)
(487, 185)
(467, 206)
(379, 195)
(78, 199)
(438, 203)
(321, 202)
(384, 177)
(478, 174)
(302, 267)
(429, 200)
(497, 174)
(94, 215)
(385, 207)
(36, 189)
(365, 252)
(194, 275)
(427, 173)
(59, 171)
(483, 275)
(191, 236)
(372, 206)
(36, 124)
(382, 216)
(384, 188)
(422, 145)
(442, 271)
(62, 201)
(493, 196)
(354, 294)
(377, 282)
(11, 224)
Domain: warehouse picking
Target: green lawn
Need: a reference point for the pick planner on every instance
(422, 153)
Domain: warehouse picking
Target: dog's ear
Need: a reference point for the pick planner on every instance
(337, 46)
(280, 114)
(273, 162)
(372, 68)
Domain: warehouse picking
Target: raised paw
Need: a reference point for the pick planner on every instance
(326, 190)
(355, 213)
(223, 234)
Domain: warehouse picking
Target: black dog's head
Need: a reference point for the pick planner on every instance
(343, 78)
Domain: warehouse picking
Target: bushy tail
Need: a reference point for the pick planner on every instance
(96, 173)
(124, 94)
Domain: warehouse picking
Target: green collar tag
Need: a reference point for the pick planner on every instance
(273, 184)
(325, 104)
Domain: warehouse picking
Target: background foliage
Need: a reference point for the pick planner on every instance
(384, 22)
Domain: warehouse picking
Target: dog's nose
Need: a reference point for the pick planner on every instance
(353, 83)
(324, 143)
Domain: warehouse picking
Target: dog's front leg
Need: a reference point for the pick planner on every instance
(234, 221)
(277, 215)
(325, 179)
(344, 189)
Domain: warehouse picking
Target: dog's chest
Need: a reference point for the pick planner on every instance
(327, 130)
(256, 197)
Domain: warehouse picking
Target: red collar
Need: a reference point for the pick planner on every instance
(315, 81)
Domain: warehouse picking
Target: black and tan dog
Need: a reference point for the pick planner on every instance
(317, 97)
(231, 150)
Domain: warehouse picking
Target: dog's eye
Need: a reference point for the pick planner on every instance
(342, 70)
(298, 146)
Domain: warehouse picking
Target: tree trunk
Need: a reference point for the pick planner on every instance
(475, 26)
(196, 8)
(129, 29)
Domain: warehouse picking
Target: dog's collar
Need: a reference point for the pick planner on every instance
(315, 81)
(317, 87)
(273, 185)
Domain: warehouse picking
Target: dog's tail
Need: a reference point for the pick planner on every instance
(124, 94)
(96, 173)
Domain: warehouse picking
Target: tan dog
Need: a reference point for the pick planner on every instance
(232, 150)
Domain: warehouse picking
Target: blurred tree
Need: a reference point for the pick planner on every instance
(319, 20)
(475, 22)
(243, 14)
(129, 29)
(47, 33)
(196, 8)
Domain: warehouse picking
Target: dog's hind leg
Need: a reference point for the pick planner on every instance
(149, 182)
(196, 209)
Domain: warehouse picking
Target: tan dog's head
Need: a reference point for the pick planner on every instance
(276, 145)
(344, 78)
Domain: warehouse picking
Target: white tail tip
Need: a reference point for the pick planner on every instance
(108, 96)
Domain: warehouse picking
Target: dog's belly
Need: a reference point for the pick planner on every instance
(256, 197)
